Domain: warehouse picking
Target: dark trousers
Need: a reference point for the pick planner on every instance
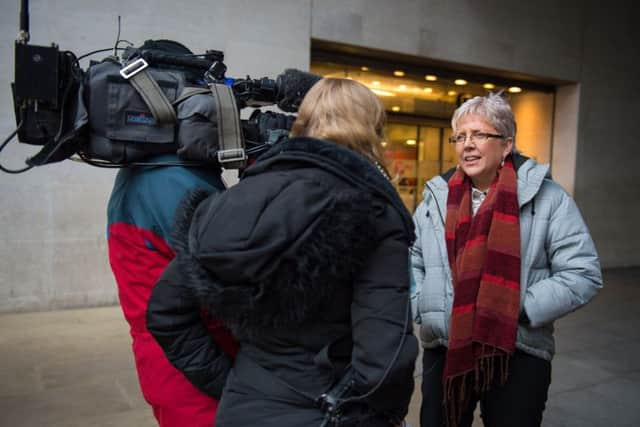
(519, 402)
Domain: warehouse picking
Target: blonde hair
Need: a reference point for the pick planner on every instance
(344, 112)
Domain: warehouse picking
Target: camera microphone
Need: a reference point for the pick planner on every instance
(287, 90)
(292, 86)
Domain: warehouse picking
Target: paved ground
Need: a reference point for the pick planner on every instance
(74, 368)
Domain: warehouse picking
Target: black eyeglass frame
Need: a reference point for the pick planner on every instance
(476, 138)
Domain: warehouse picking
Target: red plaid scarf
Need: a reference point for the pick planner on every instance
(484, 255)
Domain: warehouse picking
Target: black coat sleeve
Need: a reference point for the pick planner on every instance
(382, 329)
(174, 319)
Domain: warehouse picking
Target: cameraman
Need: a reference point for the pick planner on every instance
(140, 214)
(142, 211)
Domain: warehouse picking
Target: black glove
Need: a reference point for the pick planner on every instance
(269, 123)
(264, 129)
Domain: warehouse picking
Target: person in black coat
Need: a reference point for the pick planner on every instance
(305, 260)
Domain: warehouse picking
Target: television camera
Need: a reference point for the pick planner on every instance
(153, 99)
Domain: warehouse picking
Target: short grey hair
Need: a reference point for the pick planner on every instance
(495, 109)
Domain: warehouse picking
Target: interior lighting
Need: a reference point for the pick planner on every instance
(395, 108)
(398, 73)
(402, 87)
(383, 143)
(410, 142)
(364, 68)
(460, 82)
(489, 86)
(430, 77)
(452, 93)
(375, 83)
(515, 89)
(381, 92)
(428, 89)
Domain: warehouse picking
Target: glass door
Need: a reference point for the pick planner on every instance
(400, 148)
(416, 153)
(429, 156)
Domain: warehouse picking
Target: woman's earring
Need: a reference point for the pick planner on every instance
(502, 163)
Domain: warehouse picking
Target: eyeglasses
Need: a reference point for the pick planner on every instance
(476, 138)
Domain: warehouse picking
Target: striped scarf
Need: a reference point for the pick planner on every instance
(484, 255)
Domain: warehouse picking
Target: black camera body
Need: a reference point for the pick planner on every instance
(43, 77)
(37, 74)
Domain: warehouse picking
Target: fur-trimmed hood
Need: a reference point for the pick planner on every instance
(272, 249)
(340, 161)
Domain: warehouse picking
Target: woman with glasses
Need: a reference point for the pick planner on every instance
(501, 253)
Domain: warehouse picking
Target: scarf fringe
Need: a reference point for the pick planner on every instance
(456, 394)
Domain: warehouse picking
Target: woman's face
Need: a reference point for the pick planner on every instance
(480, 160)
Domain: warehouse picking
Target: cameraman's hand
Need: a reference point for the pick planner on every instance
(269, 121)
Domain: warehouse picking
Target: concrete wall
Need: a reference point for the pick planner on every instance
(52, 222)
(607, 174)
(542, 38)
(53, 218)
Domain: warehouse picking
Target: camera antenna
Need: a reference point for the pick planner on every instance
(115, 47)
(118, 41)
(23, 34)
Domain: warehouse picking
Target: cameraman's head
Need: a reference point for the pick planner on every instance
(345, 112)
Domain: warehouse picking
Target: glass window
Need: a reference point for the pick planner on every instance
(400, 147)
(429, 152)
(449, 159)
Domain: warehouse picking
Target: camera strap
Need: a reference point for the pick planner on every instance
(188, 92)
(137, 74)
(231, 154)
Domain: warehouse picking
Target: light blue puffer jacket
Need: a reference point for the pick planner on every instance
(560, 266)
